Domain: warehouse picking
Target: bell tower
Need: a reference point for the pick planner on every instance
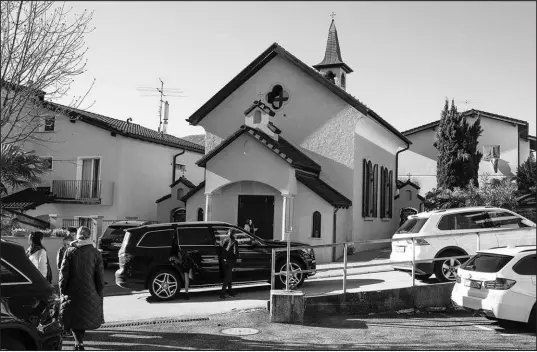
(332, 67)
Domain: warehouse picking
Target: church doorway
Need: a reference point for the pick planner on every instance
(260, 209)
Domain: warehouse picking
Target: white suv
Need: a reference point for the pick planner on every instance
(496, 227)
(499, 283)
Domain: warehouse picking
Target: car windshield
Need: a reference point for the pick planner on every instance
(487, 262)
(412, 225)
(115, 231)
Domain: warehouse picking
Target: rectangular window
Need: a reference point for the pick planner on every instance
(412, 225)
(48, 161)
(382, 192)
(505, 220)
(526, 266)
(49, 123)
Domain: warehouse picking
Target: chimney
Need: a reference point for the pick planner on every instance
(166, 112)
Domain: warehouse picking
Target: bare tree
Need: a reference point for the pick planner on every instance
(43, 50)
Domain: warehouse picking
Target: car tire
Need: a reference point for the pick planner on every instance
(295, 265)
(447, 274)
(164, 284)
(11, 343)
(532, 321)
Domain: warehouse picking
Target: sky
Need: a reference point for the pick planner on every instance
(407, 57)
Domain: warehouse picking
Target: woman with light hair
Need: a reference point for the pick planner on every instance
(81, 287)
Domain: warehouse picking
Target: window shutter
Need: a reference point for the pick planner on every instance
(382, 192)
(365, 178)
(375, 189)
(390, 193)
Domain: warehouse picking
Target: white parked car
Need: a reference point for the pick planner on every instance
(499, 283)
(496, 227)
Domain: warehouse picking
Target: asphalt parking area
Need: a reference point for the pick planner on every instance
(388, 331)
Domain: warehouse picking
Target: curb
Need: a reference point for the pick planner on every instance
(154, 321)
(350, 274)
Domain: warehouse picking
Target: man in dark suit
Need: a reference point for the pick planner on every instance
(229, 253)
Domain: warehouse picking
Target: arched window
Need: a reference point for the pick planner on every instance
(200, 214)
(370, 184)
(365, 189)
(330, 76)
(257, 116)
(343, 80)
(316, 225)
(180, 193)
(178, 215)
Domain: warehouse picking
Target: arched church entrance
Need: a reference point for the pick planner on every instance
(178, 215)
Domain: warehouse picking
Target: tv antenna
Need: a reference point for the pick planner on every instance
(465, 102)
(161, 92)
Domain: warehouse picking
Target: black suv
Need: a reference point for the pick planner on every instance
(30, 308)
(145, 251)
(109, 243)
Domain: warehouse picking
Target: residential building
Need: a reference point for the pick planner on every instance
(505, 144)
(287, 147)
(103, 167)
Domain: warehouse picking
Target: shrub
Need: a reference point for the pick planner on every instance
(351, 249)
(59, 233)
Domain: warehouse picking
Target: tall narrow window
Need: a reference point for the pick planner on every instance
(200, 214)
(370, 192)
(48, 124)
(390, 204)
(375, 190)
(386, 192)
(382, 192)
(408, 194)
(180, 193)
(257, 116)
(316, 226)
(343, 81)
(364, 188)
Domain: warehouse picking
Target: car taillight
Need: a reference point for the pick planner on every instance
(499, 284)
(418, 241)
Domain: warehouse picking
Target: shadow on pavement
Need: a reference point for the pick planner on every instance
(154, 340)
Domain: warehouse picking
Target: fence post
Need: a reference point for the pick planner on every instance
(413, 259)
(344, 269)
(272, 270)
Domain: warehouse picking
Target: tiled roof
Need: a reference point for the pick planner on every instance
(193, 191)
(471, 112)
(332, 55)
(185, 181)
(263, 59)
(27, 199)
(195, 138)
(127, 129)
(163, 198)
(401, 184)
(324, 190)
(281, 147)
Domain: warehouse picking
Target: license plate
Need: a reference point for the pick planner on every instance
(472, 284)
(117, 245)
(400, 249)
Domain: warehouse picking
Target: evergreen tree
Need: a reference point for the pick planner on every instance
(526, 174)
(456, 142)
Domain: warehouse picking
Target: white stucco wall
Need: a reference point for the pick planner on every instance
(196, 201)
(371, 228)
(420, 159)
(246, 159)
(140, 171)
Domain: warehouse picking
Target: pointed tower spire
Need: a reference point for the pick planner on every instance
(332, 55)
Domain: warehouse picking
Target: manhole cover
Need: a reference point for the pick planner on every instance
(240, 331)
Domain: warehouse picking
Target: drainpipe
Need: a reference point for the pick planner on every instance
(334, 237)
(174, 163)
(397, 162)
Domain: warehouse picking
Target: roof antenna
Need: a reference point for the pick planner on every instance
(333, 15)
(170, 92)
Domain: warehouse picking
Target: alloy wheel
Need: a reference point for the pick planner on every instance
(295, 276)
(449, 268)
(164, 285)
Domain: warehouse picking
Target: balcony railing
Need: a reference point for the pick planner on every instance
(76, 190)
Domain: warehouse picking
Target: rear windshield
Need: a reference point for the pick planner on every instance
(487, 262)
(115, 231)
(412, 225)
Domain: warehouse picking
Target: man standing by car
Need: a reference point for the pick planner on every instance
(229, 253)
(61, 252)
(81, 287)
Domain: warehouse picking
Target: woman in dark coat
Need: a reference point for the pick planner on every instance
(81, 287)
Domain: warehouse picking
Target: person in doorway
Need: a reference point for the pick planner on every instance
(250, 226)
(38, 255)
(61, 252)
(182, 261)
(81, 287)
(229, 249)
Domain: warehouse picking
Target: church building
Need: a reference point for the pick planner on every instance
(288, 148)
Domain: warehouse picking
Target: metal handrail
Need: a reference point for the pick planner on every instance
(409, 237)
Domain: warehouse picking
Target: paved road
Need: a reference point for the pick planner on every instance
(205, 301)
(424, 331)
